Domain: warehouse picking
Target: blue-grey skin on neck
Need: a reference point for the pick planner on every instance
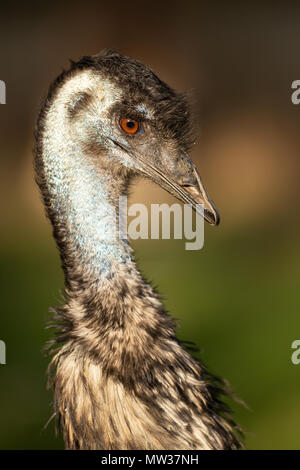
(85, 206)
(84, 193)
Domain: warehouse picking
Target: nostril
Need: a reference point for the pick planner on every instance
(188, 183)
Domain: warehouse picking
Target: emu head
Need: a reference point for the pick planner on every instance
(123, 117)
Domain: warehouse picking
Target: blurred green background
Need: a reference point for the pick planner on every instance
(238, 298)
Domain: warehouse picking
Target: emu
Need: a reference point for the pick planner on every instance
(120, 377)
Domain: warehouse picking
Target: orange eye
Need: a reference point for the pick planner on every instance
(130, 126)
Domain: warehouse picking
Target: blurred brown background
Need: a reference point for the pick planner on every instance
(238, 298)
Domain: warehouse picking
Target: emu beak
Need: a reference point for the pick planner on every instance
(179, 176)
(195, 189)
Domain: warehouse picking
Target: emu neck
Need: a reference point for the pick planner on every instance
(85, 202)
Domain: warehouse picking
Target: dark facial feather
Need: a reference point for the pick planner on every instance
(171, 111)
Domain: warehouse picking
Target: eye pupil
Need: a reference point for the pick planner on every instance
(130, 126)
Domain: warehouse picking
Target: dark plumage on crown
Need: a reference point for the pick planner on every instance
(171, 111)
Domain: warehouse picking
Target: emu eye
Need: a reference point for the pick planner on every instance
(130, 126)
